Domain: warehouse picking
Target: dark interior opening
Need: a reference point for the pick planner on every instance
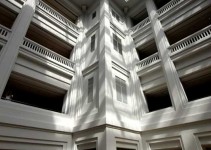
(1, 46)
(48, 40)
(139, 17)
(7, 16)
(197, 86)
(206, 147)
(147, 49)
(189, 26)
(158, 99)
(160, 3)
(30, 92)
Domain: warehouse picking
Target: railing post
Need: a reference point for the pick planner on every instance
(11, 48)
(174, 85)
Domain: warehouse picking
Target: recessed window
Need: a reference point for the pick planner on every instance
(90, 89)
(93, 15)
(0, 47)
(115, 15)
(93, 43)
(117, 43)
(121, 90)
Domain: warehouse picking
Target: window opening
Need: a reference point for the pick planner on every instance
(114, 14)
(117, 43)
(93, 15)
(121, 90)
(90, 89)
(93, 43)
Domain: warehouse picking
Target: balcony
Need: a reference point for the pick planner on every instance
(37, 68)
(172, 14)
(4, 33)
(191, 57)
(46, 13)
(49, 20)
(181, 48)
(141, 33)
(41, 63)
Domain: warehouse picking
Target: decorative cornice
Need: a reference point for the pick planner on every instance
(117, 30)
(120, 69)
(90, 68)
(92, 29)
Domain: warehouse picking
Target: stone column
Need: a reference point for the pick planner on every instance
(189, 141)
(105, 63)
(11, 49)
(174, 85)
(76, 90)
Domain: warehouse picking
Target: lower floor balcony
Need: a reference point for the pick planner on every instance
(40, 77)
(191, 57)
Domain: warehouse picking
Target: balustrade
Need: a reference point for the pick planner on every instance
(57, 15)
(161, 11)
(168, 6)
(46, 53)
(4, 32)
(140, 25)
(148, 61)
(191, 40)
(187, 42)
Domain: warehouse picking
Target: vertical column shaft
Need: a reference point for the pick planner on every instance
(175, 87)
(189, 142)
(11, 49)
(104, 56)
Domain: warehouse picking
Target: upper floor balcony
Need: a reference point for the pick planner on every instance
(172, 14)
(37, 68)
(45, 17)
(191, 56)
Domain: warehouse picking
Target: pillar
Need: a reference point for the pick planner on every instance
(105, 63)
(11, 49)
(174, 85)
(189, 141)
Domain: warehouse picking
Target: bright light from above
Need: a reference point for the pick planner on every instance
(126, 0)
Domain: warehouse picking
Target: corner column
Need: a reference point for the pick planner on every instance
(11, 49)
(174, 85)
(105, 62)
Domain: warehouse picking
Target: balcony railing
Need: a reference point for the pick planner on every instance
(57, 15)
(46, 53)
(148, 61)
(4, 32)
(181, 45)
(161, 11)
(140, 25)
(168, 6)
(191, 40)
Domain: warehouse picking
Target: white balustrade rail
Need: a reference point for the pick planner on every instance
(168, 6)
(195, 38)
(140, 25)
(161, 11)
(46, 53)
(4, 32)
(57, 15)
(147, 61)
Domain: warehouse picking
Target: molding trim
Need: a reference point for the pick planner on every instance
(90, 68)
(117, 30)
(92, 29)
(120, 69)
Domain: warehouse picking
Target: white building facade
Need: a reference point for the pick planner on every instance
(105, 75)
